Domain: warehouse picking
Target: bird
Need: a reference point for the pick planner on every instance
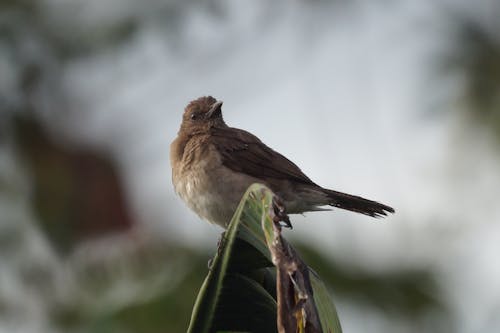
(214, 164)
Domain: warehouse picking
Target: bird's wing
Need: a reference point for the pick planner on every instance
(243, 152)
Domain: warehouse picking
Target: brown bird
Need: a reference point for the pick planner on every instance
(214, 164)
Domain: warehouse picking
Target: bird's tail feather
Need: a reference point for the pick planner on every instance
(357, 204)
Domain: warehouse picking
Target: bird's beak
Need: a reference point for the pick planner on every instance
(215, 110)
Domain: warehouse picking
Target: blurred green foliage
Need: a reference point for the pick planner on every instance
(167, 310)
(474, 53)
(409, 293)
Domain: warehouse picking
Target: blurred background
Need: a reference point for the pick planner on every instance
(398, 101)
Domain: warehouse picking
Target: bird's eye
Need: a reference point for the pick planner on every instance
(194, 115)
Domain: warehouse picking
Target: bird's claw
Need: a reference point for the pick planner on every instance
(220, 245)
(220, 242)
(280, 214)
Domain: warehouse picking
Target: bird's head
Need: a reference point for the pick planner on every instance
(202, 114)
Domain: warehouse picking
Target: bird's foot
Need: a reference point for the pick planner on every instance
(221, 240)
(220, 244)
(280, 214)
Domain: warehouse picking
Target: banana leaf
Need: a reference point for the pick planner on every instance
(257, 281)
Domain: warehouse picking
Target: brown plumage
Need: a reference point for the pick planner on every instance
(213, 164)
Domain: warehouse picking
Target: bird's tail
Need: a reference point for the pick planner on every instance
(357, 204)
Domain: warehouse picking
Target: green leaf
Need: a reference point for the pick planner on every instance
(326, 309)
(240, 291)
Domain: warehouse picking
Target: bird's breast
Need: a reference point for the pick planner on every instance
(209, 188)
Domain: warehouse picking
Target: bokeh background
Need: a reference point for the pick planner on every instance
(398, 101)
